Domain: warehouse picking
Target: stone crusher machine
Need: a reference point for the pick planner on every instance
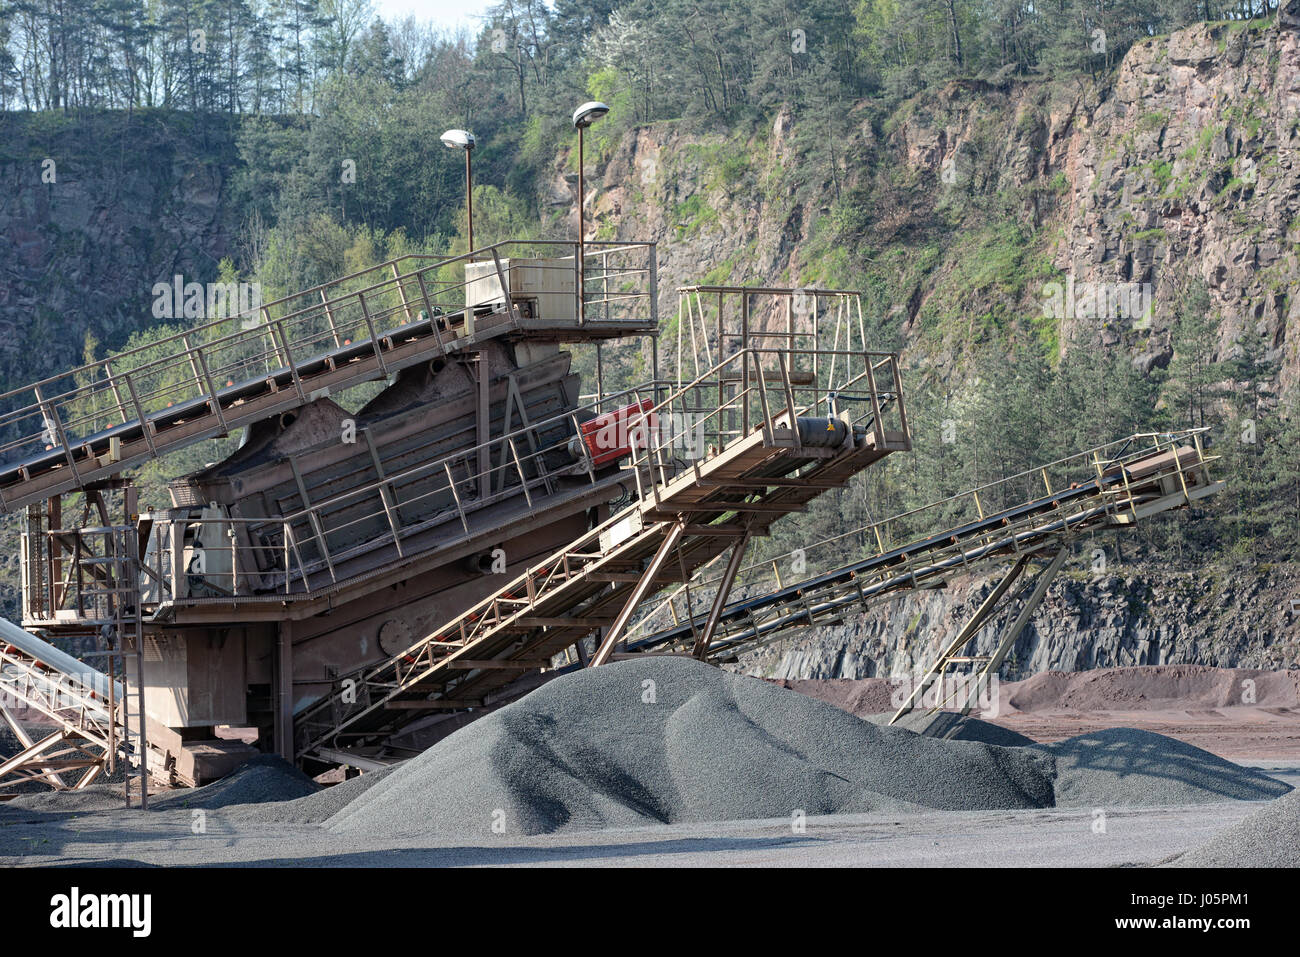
(340, 527)
(412, 438)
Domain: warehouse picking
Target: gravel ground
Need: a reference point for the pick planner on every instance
(672, 740)
(1032, 838)
(669, 762)
(1128, 767)
(1268, 838)
(94, 797)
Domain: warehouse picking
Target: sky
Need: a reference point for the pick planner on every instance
(445, 14)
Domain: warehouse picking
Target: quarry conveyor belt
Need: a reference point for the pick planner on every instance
(1156, 474)
(55, 434)
(72, 697)
(72, 462)
(594, 584)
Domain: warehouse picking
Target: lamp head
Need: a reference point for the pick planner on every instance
(588, 113)
(458, 140)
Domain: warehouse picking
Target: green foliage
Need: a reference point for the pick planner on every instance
(693, 214)
(320, 92)
(1163, 172)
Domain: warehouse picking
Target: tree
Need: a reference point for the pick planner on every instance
(1193, 371)
(374, 57)
(342, 22)
(8, 65)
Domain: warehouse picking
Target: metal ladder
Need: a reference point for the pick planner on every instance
(119, 592)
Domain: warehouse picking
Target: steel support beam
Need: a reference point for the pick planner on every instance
(29, 754)
(284, 691)
(968, 631)
(484, 430)
(705, 637)
(639, 592)
(1009, 638)
(26, 741)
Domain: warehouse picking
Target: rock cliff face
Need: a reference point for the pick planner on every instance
(1191, 167)
(1184, 164)
(93, 212)
(1144, 615)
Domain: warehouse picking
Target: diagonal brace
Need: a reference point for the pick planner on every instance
(976, 622)
(1009, 638)
(639, 592)
(705, 637)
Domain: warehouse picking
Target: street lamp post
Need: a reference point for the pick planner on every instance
(583, 117)
(462, 140)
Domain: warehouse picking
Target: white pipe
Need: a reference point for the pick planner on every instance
(59, 661)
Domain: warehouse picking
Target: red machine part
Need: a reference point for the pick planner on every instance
(612, 435)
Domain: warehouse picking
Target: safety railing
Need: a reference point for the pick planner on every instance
(309, 550)
(714, 321)
(754, 390)
(75, 575)
(857, 401)
(203, 370)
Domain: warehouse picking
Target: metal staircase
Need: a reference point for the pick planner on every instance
(95, 717)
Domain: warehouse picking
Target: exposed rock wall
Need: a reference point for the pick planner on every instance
(129, 204)
(1146, 614)
(1183, 164)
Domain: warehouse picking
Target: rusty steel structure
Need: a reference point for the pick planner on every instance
(424, 511)
(425, 516)
(766, 450)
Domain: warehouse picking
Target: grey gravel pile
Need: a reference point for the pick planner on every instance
(1268, 838)
(671, 740)
(1128, 767)
(94, 797)
(267, 777)
(312, 809)
(9, 743)
(954, 727)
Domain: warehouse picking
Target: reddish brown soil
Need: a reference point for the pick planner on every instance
(1238, 713)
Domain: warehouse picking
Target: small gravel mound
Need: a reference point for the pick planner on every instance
(311, 809)
(93, 797)
(1128, 767)
(954, 727)
(669, 739)
(1268, 838)
(266, 777)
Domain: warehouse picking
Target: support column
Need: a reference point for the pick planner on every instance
(720, 598)
(484, 428)
(284, 691)
(1009, 638)
(55, 584)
